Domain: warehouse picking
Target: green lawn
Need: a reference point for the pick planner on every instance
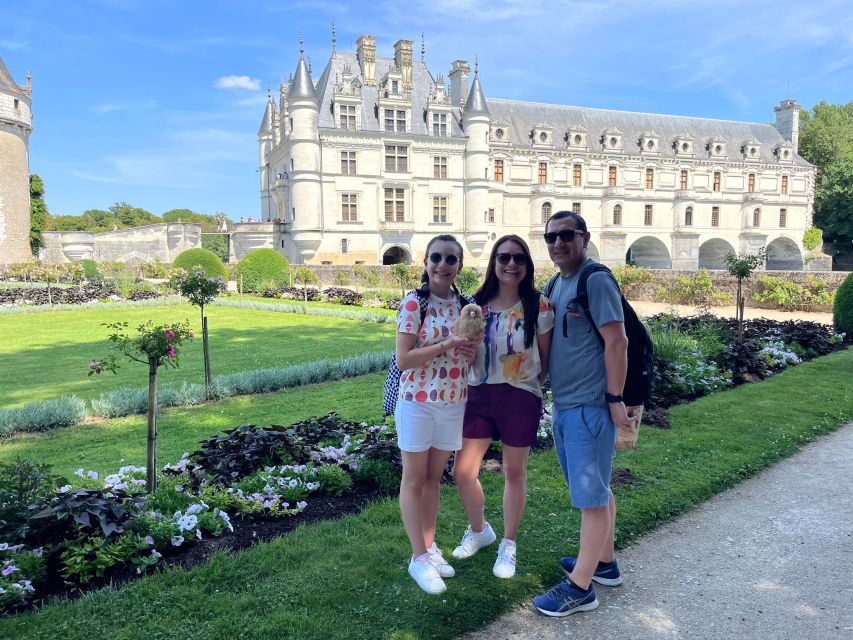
(104, 446)
(45, 355)
(347, 578)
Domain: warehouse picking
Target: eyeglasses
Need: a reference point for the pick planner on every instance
(436, 258)
(518, 258)
(566, 235)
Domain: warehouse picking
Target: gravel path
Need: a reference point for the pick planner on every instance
(769, 559)
(645, 308)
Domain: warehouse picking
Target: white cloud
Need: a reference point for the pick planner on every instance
(238, 82)
(132, 105)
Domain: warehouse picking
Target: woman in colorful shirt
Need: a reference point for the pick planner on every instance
(504, 395)
(431, 404)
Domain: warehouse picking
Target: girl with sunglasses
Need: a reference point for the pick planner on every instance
(504, 395)
(428, 416)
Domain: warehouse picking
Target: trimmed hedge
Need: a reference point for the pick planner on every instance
(842, 310)
(262, 269)
(40, 416)
(207, 260)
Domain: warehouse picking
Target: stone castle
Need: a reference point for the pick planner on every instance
(16, 124)
(378, 155)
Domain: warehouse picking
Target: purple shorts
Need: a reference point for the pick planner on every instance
(502, 412)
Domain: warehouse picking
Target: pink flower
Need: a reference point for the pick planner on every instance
(169, 334)
(191, 334)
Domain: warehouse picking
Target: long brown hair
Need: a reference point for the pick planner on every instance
(526, 289)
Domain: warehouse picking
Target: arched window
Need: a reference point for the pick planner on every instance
(688, 217)
(756, 218)
(617, 214)
(546, 211)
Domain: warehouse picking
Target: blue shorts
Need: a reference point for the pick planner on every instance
(585, 440)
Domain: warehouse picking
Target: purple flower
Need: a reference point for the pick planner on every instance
(9, 569)
(149, 541)
(38, 551)
(191, 334)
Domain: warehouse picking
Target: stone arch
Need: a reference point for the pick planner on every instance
(592, 251)
(712, 252)
(783, 254)
(649, 252)
(396, 254)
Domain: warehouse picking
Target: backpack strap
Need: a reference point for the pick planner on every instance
(549, 286)
(582, 296)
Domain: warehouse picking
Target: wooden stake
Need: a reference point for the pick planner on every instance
(151, 462)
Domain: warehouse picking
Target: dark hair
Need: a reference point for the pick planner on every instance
(526, 289)
(444, 237)
(578, 218)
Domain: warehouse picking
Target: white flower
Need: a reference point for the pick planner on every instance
(187, 522)
(79, 472)
(177, 541)
(149, 540)
(93, 475)
(301, 504)
(195, 508)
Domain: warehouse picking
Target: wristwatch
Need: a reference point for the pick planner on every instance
(611, 398)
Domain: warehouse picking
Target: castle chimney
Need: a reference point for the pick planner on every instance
(459, 82)
(403, 60)
(788, 121)
(366, 53)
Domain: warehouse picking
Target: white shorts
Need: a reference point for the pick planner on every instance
(425, 425)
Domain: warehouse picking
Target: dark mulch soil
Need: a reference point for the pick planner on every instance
(247, 531)
(657, 417)
(624, 478)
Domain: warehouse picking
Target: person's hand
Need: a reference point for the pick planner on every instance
(619, 416)
(462, 347)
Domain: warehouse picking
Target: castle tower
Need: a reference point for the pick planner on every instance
(265, 145)
(788, 121)
(476, 121)
(303, 152)
(16, 124)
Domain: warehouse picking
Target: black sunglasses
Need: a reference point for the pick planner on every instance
(566, 235)
(518, 258)
(436, 258)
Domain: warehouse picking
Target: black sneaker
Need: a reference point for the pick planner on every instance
(565, 599)
(606, 573)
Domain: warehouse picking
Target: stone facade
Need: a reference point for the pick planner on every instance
(16, 124)
(143, 244)
(378, 155)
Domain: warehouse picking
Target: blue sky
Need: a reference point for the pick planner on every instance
(158, 103)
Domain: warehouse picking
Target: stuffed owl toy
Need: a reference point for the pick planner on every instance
(470, 324)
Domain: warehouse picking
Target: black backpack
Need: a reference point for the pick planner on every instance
(640, 374)
(392, 381)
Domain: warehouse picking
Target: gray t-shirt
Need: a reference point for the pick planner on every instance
(578, 374)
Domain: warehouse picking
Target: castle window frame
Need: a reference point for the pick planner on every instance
(617, 214)
(439, 209)
(547, 207)
(648, 215)
(344, 245)
(396, 158)
(439, 125)
(783, 189)
(650, 178)
(783, 218)
(576, 207)
(612, 176)
(499, 170)
(688, 217)
(439, 167)
(490, 215)
(395, 204)
(543, 173)
(395, 120)
(715, 216)
(756, 217)
(577, 174)
(349, 207)
(347, 117)
(750, 182)
(348, 163)
(683, 178)
(718, 181)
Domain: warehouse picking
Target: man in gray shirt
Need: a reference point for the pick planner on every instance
(587, 381)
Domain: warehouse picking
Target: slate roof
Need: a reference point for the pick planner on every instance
(301, 87)
(523, 116)
(476, 101)
(7, 82)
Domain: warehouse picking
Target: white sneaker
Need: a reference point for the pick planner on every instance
(438, 561)
(472, 542)
(505, 564)
(426, 575)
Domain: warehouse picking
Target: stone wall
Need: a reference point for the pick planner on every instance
(139, 244)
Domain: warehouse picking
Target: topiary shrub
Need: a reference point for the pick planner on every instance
(207, 260)
(812, 238)
(90, 269)
(842, 310)
(263, 269)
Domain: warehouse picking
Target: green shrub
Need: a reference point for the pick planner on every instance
(672, 345)
(697, 289)
(342, 278)
(467, 280)
(334, 480)
(842, 310)
(630, 277)
(541, 279)
(384, 473)
(208, 261)
(812, 238)
(90, 268)
(263, 269)
(154, 269)
(40, 416)
(791, 296)
(217, 243)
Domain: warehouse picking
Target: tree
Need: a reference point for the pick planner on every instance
(305, 276)
(155, 346)
(741, 266)
(126, 215)
(38, 213)
(826, 140)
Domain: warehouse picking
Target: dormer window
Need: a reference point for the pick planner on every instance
(576, 137)
(499, 131)
(752, 150)
(649, 142)
(542, 134)
(717, 147)
(684, 145)
(611, 139)
(785, 152)
(438, 113)
(395, 87)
